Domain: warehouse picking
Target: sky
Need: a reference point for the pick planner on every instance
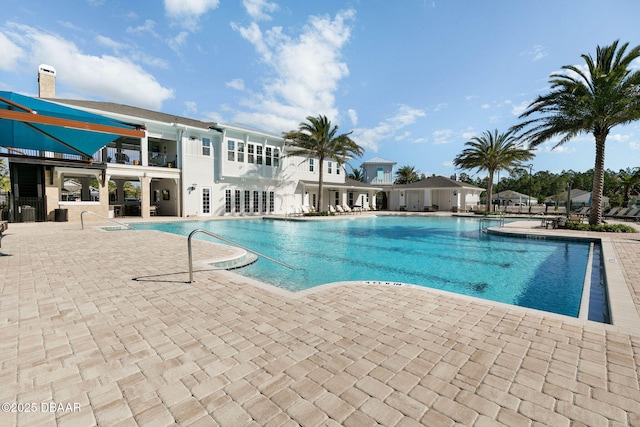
(413, 80)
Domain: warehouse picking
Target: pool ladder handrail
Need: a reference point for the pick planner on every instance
(488, 218)
(215, 236)
(122, 224)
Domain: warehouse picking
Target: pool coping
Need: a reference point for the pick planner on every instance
(622, 309)
(623, 314)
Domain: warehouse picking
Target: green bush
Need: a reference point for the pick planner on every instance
(324, 213)
(604, 228)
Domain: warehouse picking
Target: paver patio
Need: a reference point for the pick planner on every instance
(100, 328)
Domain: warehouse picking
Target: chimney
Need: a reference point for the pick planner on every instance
(46, 81)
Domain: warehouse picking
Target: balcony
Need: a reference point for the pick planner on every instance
(125, 156)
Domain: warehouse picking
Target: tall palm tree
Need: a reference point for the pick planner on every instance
(317, 139)
(407, 175)
(491, 152)
(592, 101)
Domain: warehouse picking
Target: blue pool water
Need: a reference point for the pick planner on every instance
(443, 253)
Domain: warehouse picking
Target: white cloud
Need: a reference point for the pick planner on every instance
(259, 9)
(536, 53)
(191, 109)
(370, 138)
(353, 116)
(305, 71)
(178, 41)
(107, 76)
(237, 84)
(468, 133)
(442, 136)
(485, 106)
(403, 136)
(11, 54)
(517, 110)
(148, 27)
(187, 12)
(110, 43)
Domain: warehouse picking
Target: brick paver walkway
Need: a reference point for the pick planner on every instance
(100, 328)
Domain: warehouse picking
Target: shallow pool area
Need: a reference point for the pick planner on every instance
(446, 253)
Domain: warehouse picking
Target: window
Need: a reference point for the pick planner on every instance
(256, 200)
(247, 201)
(259, 154)
(267, 156)
(206, 200)
(206, 147)
(338, 167)
(380, 174)
(337, 198)
(227, 201)
(350, 198)
(311, 163)
(237, 202)
(271, 201)
(241, 152)
(250, 153)
(231, 150)
(276, 157)
(264, 202)
(329, 166)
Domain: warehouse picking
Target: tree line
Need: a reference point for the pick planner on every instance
(621, 187)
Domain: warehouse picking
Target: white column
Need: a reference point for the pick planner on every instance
(144, 149)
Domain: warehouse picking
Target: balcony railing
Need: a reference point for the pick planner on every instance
(134, 157)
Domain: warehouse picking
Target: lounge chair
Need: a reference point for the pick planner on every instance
(347, 209)
(611, 213)
(621, 213)
(631, 214)
(340, 210)
(305, 210)
(332, 209)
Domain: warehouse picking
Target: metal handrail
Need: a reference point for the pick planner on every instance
(488, 218)
(101, 216)
(199, 230)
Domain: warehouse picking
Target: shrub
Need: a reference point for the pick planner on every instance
(324, 213)
(604, 228)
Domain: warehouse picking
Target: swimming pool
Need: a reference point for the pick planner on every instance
(446, 253)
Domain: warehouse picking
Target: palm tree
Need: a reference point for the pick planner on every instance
(592, 101)
(491, 152)
(317, 139)
(356, 175)
(630, 181)
(407, 175)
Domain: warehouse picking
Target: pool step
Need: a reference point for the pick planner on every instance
(230, 264)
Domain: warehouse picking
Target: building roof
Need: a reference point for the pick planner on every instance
(348, 184)
(379, 161)
(510, 194)
(134, 112)
(437, 182)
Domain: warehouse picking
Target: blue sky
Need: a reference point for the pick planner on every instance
(413, 79)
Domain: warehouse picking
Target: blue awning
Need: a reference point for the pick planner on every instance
(36, 124)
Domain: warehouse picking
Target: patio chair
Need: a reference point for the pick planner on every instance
(332, 209)
(621, 213)
(340, 210)
(347, 209)
(4, 225)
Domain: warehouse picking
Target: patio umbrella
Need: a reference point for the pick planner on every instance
(36, 124)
